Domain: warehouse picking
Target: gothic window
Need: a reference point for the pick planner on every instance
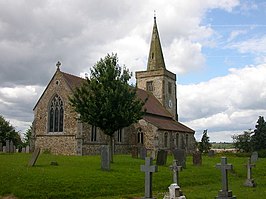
(165, 139)
(149, 86)
(140, 136)
(56, 115)
(93, 133)
(119, 135)
(169, 87)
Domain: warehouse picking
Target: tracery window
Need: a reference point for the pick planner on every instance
(56, 115)
(119, 135)
(140, 136)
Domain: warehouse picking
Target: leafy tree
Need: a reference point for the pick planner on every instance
(242, 142)
(258, 139)
(205, 145)
(8, 132)
(106, 100)
(27, 135)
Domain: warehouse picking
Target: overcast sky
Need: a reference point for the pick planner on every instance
(217, 48)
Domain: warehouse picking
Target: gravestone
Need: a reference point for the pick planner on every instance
(249, 181)
(1, 147)
(11, 147)
(211, 153)
(105, 157)
(4, 149)
(197, 158)
(224, 193)
(34, 157)
(148, 168)
(180, 157)
(142, 153)
(27, 149)
(23, 150)
(161, 157)
(176, 169)
(254, 156)
(134, 152)
(7, 146)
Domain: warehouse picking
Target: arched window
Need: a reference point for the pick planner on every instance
(165, 139)
(140, 136)
(56, 115)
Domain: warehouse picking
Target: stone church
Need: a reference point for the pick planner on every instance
(57, 130)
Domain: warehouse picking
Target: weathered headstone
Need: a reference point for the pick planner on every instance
(105, 157)
(161, 157)
(142, 153)
(249, 181)
(180, 157)
(254, 156)
(4, 149)
(197, 158)
(7, 146)
(176, 169)
(27, 149)
(134, 152)
(148, 168)
(23, 150)
(224, 193)
(211, 153)
(11, 147)
(1, 147)
(34, 157)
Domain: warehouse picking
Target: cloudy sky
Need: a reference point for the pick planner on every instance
(217, 48)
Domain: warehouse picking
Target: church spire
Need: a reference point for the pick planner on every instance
(156, 60)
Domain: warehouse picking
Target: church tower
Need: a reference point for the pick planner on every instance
(157, 79)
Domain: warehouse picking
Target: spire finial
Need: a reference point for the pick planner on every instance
(58, 64)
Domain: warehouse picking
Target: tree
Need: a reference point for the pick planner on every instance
(106, 100)
(242, 142)
(27, 135)
(258, 139)
(204, 145)
(8, 132)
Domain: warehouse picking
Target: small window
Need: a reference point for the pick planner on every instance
(169, 87)
(119, 135)
(140, 136)
(93, 133)
(177, 140)
(149, 86)
(165, 139)
(152, 55)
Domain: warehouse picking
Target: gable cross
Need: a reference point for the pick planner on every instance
(148, 168)
(58, 64)
(176, 169)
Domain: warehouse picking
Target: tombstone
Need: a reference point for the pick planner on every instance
(7, 146)
(224, 193)
(27, 150)
(254, 156)
(105, 157)
(134, 152)
(34, 157)
(197, 158)
(142, 153)
(23, 150)
(211, 153)
(249, 181)
(1, 147)
(4, 149)
(180, 157)
(161, 157)
(176, 169)
(11, 147)
(148, 168)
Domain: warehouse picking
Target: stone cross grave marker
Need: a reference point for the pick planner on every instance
(105, 157)
(254, 156)
(142, 153)
(180, 156)
(249, 181)
(7, 146)
(148, 168)
(34, 157)
(176, 169)
(224, 193)
(161, 157)
(197, 158)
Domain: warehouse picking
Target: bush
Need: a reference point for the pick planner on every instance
(262, 153)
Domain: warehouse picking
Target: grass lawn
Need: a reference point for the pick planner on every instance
(81, 177)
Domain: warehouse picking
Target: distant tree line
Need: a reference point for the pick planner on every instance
(252, 140)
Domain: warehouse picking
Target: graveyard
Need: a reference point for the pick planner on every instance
(82, 177)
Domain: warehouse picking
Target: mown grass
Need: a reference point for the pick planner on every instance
(81, 177)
